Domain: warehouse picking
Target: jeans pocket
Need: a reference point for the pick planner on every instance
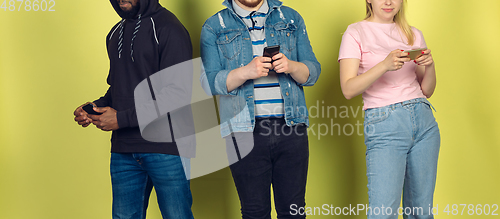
(429, 105)
(376, 115)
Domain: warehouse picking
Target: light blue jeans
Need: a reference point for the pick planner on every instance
(134, 175)
(402, 146)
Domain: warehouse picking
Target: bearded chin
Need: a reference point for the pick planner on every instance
(132, 13)
(250, 4)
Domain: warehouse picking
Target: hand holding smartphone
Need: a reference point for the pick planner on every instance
(89, 108)
(415, 53)
(271, 51)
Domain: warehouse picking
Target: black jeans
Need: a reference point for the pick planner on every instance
(280, 158)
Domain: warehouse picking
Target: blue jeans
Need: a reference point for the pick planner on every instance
(402, 146)
(280, 158)
(134, 175)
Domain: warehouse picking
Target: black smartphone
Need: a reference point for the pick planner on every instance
(271, 51)
(89, 108)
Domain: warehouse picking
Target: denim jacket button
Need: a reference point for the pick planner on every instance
(272, 35)
(291, 122)
(287, 93)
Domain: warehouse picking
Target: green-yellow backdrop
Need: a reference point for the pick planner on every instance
(51, 62)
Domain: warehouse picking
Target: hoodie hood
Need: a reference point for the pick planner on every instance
(146, 8)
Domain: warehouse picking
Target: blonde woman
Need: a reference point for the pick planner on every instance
(401, 135)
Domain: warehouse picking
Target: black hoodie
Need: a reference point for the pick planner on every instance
(137, 48)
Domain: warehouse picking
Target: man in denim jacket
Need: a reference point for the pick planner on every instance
(263, 97)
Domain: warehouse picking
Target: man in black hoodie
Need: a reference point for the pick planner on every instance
(149, 38)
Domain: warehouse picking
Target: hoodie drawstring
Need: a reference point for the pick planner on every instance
(120, 41)
(137, 26)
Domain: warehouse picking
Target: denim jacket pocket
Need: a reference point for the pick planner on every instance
(229, 44)
(376, 115)
(286, 35)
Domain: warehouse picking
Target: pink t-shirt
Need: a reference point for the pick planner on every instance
(371, 42)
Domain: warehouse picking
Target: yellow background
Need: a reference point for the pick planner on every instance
(51, 62)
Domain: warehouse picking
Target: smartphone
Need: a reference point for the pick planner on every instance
(89, 108)
(415, 53)
(271, 51)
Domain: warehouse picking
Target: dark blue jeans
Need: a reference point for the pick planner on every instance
(134, 175)
(280, 158)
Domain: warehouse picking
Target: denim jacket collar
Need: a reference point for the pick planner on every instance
(273, 4)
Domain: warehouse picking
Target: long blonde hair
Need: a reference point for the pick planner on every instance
(399, 19)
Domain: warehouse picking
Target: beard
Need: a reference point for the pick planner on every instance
(132, 13)
(250, 3)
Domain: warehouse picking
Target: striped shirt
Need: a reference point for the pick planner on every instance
(267, 91)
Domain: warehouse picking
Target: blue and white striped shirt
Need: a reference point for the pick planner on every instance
(267, 91)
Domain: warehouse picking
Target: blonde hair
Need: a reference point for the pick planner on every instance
(399, 19)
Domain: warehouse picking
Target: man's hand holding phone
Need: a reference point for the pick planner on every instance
(258, 67)
(103, 118)
(106, 121)
(280, 63)
(81, 116)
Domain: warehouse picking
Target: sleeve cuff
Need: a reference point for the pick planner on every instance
(221, 84)
(313, 73)
(122, 119)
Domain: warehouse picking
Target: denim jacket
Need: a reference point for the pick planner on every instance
(226, 45)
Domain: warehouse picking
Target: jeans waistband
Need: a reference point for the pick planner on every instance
(412, 101)
(270, 118)
(416, 100)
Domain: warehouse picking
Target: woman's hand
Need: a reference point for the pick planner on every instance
(426, 73)
(395, 60)
(425, 59)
